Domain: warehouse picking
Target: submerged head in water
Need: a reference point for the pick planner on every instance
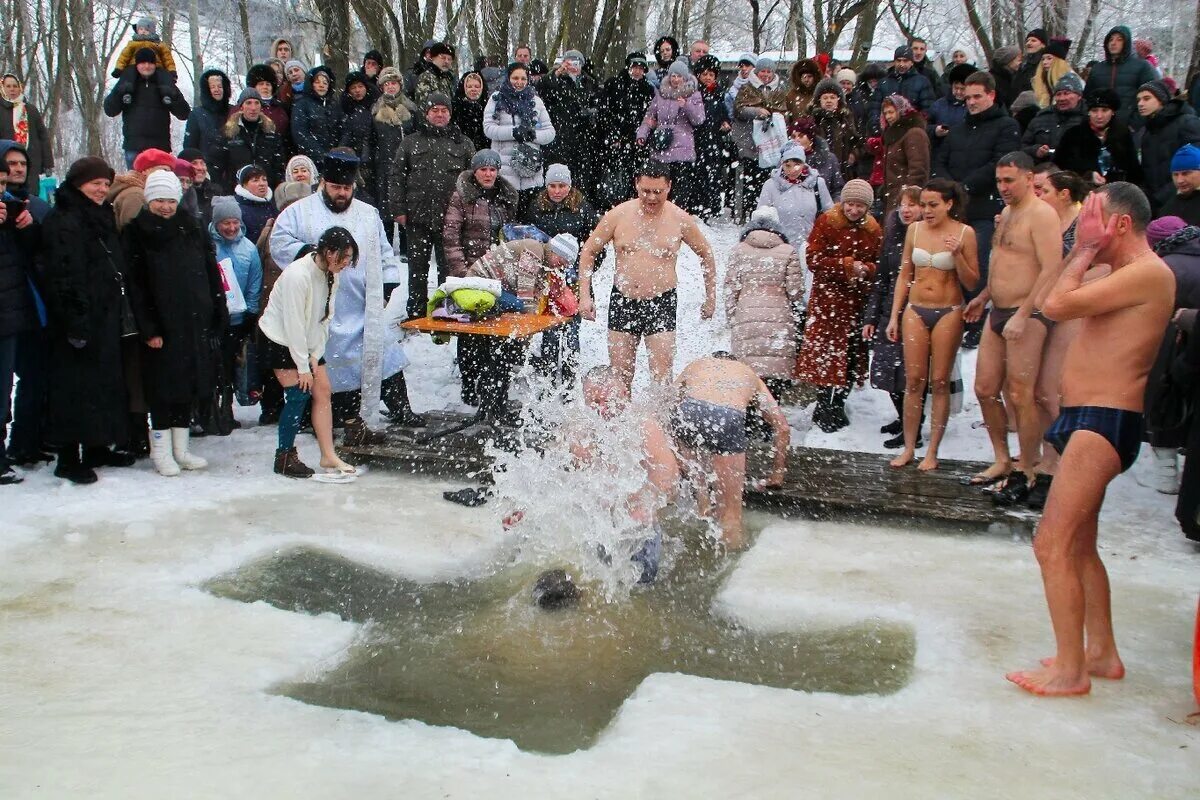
(554, 589)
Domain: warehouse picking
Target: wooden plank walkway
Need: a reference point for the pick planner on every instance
(820, 483)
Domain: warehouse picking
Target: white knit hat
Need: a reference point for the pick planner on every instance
(162, 185)
(566, 247)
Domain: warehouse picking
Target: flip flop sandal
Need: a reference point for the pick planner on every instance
(333, 477)
(980, 480)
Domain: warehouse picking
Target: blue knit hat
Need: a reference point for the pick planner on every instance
(1186, 158)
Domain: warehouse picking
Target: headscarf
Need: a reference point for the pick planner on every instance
(305, 161)
(518, 104)
(20, 122)
(902, 106)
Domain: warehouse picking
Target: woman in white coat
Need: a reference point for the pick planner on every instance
(518, 125)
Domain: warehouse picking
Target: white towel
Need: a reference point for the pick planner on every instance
(489, 285)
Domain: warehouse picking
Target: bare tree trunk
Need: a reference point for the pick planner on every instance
(194, 43)
(864, 34)
(840, 15)
(495, 16)
(801, 32)
(710, 7)
(1194, 66)
(1081, 47)
(789, 27)
(1058, 13)
(372, 14)
(335, 51)
(247, 42)
(755, 27)
(430, 17)
(605, 35)
(525, 22)
(981, 35)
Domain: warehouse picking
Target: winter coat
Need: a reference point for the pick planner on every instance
(682, 120)
(798, 204)
(754, 97)
(389, 125)
(431, 80)
(831, 355)
(145, 106)
(247, 266)
(822, 159)
(887, 357)
(176, 290)
(1006, 86)
(18, 311)
(905, 157)
(1048, 127)
(710, 139)
(1186, 207)
(800, 98)
(81, 262)
(1124, 74)
(317, 121)
(574, 215)
(859, 103)
(912, 85)
(1165, 132)
(256, 211)
(241, 143)
(925, 67)
(1022, 81)
(763, 281)
(468, 114)
(1079, 148)
(356, 125)
(574, 107)
(840, 133)
(1186, 370)
(623, 104)
(205, 192)
(39, 147)
(1181, 253)
(279, 113)
(207, 119)
(947, 112)
(969, 155)
(474, 218)
(498, 125)
(424, 173)
(125, 195)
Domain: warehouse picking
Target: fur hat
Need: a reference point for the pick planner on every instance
(959, 73)
(374, 55)
(153, 158)
(86, 169)
(390, 74)
(486, 157)
(225, 207)
(1059, 48)
(1069, 83)
(765, 218)
(356, 76)
(1102, 98)
(145, 55)
(162, 185)
(558, 173)
(566, 247)
(828, 86)
(259, 73)
(858, 191)
(191, 154)
(873, 72)
(289, 192)
(440, 49)
(707, 62)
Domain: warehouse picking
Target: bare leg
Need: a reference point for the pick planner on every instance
(1065, 546)
(322, 419)
(989, 380)
(1024, 360)
(622, 351)
(947, 335)
(730, 473)
(661, 349)
(916, 371)
(1049, 385)
(696, 476)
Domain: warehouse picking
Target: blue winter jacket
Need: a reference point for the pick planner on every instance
(246, 266)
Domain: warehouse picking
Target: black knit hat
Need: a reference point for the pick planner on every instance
(1102, 98)
(441, 49)
(706, 62)
(1157, 88)
(259, 73)
(88, 168)
(191, 153)
(538, 67)
(374, 55)
(1039, 34)
(357, 76)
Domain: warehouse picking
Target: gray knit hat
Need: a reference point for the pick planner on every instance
(858, 191)
(765, 62)
(558, 173)
(295, 62)
(574, 55)
(1069, 83)
(679, 67)
(566, 247)
(435, 99)
(485, 158)
(249, 93)
(225, 207)
(1003, 56)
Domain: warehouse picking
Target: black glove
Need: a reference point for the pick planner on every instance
(388, 288)
(520, 134)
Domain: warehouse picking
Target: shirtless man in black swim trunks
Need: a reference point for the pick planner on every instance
(646, 233)
(1026, 255)
(709, 427)
(1099, 429)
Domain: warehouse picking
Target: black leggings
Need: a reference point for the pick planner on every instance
(164, 416)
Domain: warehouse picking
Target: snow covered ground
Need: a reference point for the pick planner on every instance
(121, 678)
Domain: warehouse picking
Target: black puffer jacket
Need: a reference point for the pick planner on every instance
(80, 264)
(242, 143)
(145, 106)
(424, 172)
(17, 248)
(623, 103)
(316, 121)
(176, 289)
(1079, 152)
(969, 155)
(208, 117)
(574, 215)
(1124, 74)
(1048, 127)
(356, 126)
(574, 107)
(1175, 125)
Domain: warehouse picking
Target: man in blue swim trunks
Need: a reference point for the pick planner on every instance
(708, 424)
(1099, 429)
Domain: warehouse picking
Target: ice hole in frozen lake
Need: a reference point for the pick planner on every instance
(480, 655)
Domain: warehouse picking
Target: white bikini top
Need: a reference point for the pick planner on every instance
(943, 260)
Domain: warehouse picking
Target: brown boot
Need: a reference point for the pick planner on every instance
(357, 434)
(288, 464)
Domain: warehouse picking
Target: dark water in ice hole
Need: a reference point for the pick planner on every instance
(478, 655)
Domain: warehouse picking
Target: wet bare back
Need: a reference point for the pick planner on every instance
(721, 382)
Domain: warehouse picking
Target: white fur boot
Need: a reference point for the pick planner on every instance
(1166, 470)
(160, 454)
(179, 444)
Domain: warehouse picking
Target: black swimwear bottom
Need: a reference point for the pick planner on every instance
(999, 317)
(932, 316)
(709, 428)
(642, 317)
(1122, 429)
(279, 357)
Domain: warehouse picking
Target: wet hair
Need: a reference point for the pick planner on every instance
(1126, 198)
(1018, 159)
(950, 192)
(913, 193)
(335, 240)
(554, 589)
(1077, 186)
(983, 79)
(655, 169)
(1046, 168)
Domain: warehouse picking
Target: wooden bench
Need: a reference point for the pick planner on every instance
(509, 325)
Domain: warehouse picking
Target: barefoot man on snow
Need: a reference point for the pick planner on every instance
(1099, 430)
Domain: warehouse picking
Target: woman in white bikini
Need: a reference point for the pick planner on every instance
(940, 259)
